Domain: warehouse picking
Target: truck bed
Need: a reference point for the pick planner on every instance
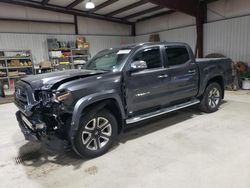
(210, 67)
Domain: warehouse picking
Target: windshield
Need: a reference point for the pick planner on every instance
(108, 60)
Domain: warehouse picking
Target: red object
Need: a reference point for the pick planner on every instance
(67, 53)
(12, 84)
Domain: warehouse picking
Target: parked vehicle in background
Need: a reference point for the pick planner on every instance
(120, 86)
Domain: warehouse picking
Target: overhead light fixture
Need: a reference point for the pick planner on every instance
(89, 5)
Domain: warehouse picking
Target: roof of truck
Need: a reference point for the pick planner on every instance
(134, 45)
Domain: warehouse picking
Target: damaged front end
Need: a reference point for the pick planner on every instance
(44, 115)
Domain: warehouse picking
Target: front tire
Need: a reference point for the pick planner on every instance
(211, 99)
(96, 134)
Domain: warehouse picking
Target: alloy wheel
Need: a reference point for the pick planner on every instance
(214, 98)
(97, 133)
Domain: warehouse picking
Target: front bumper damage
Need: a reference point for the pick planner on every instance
(28, 133)
(34, 130)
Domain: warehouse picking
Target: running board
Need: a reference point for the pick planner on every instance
(162, 111)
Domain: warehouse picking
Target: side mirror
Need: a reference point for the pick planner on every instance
(138, 66)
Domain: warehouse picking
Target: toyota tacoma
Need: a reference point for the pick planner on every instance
(87, 109)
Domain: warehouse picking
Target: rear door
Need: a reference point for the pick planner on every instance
(146, 90)
(183, 72)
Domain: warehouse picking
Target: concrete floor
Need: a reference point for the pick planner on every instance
(182, 149)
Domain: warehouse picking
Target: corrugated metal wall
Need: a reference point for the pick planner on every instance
(163, 23)
(86, 26)
(222, 9)
(21, 12)
(186, 34)
(101, 27)
(32, 27)
(229, 37)
(18, 35)
(175, 27)
(37, 43)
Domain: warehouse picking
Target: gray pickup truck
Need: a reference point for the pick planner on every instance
(88, 108)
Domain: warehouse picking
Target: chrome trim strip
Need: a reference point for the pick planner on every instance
(162, 111)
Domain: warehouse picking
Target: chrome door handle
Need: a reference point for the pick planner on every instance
(192, 71)
(162, 76)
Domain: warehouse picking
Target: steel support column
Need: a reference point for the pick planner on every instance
(133, 30)
(196, 8)
(201, 18)
(76, 24)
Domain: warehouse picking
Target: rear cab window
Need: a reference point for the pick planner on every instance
(177, 56)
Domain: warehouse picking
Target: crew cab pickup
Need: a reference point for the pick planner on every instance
(88, 108)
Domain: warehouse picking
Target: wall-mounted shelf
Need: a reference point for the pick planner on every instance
(10, 58)
(73, 55)
(14, 64)
(21, 67)
(66, 53)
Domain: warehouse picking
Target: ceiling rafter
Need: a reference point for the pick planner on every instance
(142, 12)
(45, 2)
(167, 12)
(35, 21)
(56, 8)
(74, 3)
(188, 6)
(105, 4)
(139, 3)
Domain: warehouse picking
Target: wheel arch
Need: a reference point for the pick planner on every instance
(106, 99)
(219, 80)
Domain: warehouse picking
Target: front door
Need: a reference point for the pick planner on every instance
(146, 89)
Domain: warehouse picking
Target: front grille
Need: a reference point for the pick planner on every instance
(20, 104)
(24, 98)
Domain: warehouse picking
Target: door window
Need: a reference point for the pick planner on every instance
(177, 56)
(151, 56)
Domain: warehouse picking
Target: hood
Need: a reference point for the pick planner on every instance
(54, 79)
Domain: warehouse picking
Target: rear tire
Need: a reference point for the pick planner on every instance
(211, 99)
(96, 133)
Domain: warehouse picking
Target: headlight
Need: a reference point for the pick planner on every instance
(42, 95)
(62, 96)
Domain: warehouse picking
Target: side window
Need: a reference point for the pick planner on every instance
(177, 56)
(151, 56)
